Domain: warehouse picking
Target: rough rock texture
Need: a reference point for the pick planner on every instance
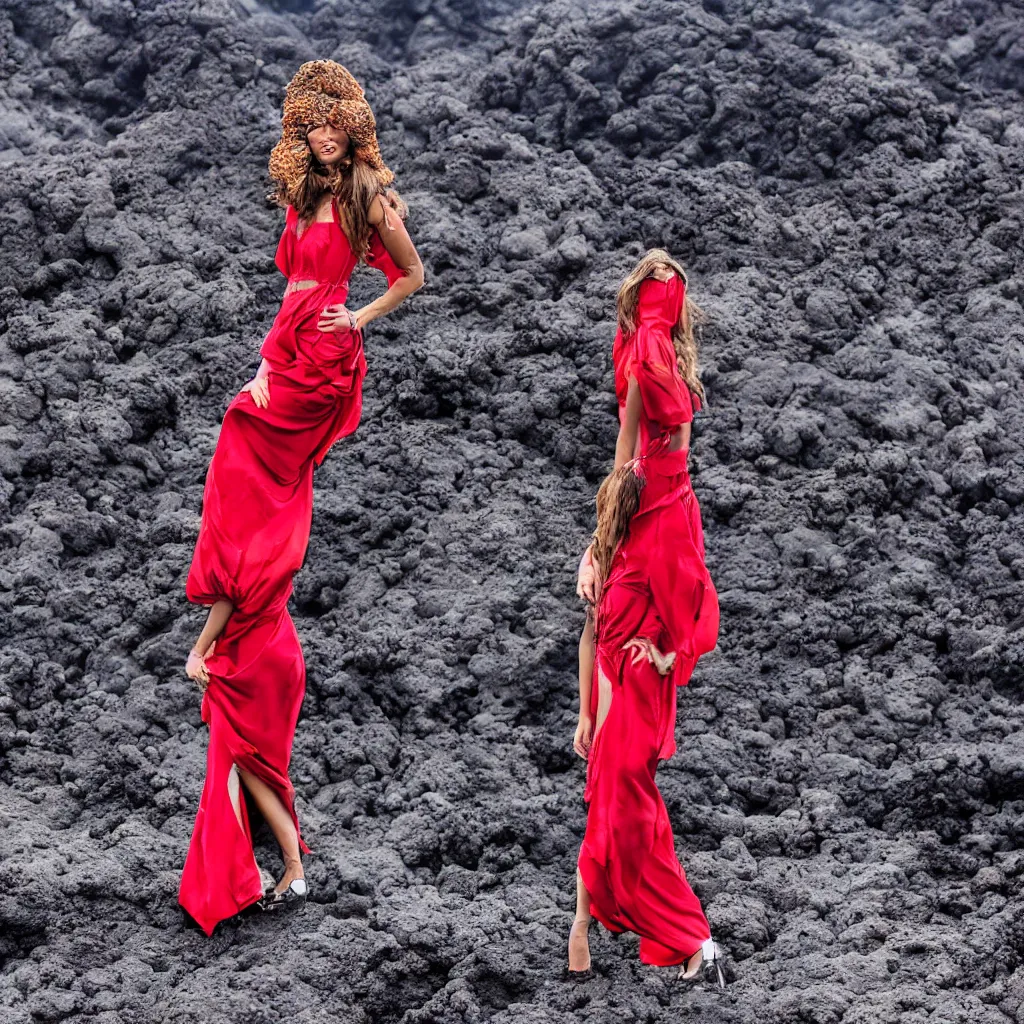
(844, 181)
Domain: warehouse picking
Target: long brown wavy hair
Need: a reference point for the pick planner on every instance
(618, 499)
(354, 185)
(683, 337)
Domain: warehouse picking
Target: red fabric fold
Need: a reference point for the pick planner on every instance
(257, 511)
(649, 356)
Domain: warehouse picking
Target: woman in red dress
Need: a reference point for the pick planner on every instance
(651, 592)
(258, 498)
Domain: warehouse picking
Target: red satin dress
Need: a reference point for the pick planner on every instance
(257, 509)
(657, 587)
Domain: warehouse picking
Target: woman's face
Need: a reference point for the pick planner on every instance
(662, 272)
(328, 144)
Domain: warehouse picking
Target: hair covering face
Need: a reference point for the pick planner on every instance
(323, 92)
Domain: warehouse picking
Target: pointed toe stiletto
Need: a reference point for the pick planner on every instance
(706, 964)
(293, 898)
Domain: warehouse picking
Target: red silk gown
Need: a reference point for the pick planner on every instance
(257, 509)
(657, 587)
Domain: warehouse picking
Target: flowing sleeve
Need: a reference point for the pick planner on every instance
(667, 399)
(378, 257)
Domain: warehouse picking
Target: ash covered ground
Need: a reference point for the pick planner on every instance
(844, 182)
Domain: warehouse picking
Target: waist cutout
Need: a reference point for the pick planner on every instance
(301, 286)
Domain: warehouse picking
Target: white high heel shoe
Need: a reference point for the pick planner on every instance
(293, 898)
(706, 962)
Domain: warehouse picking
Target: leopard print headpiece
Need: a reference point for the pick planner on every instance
(323, 92)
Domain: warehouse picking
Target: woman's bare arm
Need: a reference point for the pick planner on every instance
(584, 736)
(399, 245)
(220, 612)
(625, 446)
(195, 666)
(586, 663)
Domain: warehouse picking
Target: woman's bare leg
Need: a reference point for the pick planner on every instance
(281, 824)
(604, 701)
(579, 944)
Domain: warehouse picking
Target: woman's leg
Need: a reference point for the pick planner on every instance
(604, 700)
(281, 824)
(579, 944)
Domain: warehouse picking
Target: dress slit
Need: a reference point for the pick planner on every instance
(234, 795)
(605, 697)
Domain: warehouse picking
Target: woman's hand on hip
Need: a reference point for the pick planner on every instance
(195, 666)
(337, 318)
(584, 736)
(259, 388)
(644, 650)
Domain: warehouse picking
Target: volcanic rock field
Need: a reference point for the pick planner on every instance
(843, 182)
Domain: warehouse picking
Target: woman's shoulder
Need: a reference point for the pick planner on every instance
(375, 211)
(385, 208)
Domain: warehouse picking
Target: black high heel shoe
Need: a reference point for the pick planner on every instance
(293, 898)
(706, 963)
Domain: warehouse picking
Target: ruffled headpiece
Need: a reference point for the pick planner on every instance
(323, 92)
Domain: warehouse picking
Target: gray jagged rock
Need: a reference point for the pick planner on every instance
(843, 181)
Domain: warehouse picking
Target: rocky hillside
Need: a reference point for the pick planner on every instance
(844, 182)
